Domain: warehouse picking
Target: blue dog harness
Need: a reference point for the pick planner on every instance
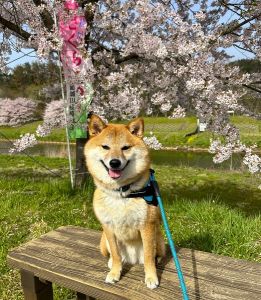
(147, 193)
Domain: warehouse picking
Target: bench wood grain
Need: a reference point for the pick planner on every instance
(69, 256)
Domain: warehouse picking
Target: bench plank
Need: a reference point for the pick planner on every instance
(69, 256)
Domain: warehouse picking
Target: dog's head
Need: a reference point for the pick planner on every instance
(115, 153)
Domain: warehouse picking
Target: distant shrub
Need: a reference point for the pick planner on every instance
(16, 112)
(52, 91)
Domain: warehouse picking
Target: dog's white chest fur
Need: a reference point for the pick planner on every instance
(118, 212)
(125, 216)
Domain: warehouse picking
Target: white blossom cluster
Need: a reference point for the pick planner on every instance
(253, 161)
(126, 104)
(152, 142)
(178, 112)
(25, 141)
(224, 151)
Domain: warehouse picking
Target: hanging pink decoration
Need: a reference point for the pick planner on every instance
(72, 27)
(71, 4)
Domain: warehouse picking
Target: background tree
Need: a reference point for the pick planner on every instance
(32, 80)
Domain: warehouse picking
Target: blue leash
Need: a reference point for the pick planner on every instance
(170, 240)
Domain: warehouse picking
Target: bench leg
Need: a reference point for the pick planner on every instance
(81, 296)
(34, 288)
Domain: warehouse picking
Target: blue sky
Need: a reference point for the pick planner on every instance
(20, 58)
(239, 54)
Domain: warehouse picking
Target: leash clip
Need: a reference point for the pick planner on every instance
(124, 189)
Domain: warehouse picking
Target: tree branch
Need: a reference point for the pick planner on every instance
(45, 16)
(122, 59)
(15, 28)
(252, 88)
(244, 49)
(89, 16)
(236, 26)
(229, 8)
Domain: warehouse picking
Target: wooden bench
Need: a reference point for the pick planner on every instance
(69, 257)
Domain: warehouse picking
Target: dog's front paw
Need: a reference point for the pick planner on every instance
(113, 277)
(152, 282)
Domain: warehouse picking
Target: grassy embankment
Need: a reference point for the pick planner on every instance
(171, 133)
(212, 211)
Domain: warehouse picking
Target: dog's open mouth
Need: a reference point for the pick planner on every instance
(114, 173)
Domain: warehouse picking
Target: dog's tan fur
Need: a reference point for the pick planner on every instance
(131, 227)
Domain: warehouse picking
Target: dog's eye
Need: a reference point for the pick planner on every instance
(125, 148)
(105, 147)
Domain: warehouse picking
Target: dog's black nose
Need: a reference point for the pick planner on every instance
(115, 163)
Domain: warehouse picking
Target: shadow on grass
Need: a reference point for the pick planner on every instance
(240, 196)
(200, 241)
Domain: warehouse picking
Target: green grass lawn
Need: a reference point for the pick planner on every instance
(214, 211)
(57, 135)
(170, 132)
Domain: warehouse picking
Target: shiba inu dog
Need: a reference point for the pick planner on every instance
(119, 162)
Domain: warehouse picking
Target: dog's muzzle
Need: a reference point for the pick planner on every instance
(114, 172)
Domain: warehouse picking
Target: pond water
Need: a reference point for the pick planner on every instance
(163, 157)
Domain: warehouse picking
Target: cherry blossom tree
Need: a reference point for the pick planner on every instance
(16, 112)
(142, 56)
(54, 117)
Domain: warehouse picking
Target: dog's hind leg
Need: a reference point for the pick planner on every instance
(103, 245)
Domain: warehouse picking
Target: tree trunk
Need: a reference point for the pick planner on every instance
(81, 173)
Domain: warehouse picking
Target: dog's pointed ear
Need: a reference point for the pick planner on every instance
(136, 127)
(96, 125)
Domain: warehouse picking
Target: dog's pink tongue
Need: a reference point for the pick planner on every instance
(114, 173)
